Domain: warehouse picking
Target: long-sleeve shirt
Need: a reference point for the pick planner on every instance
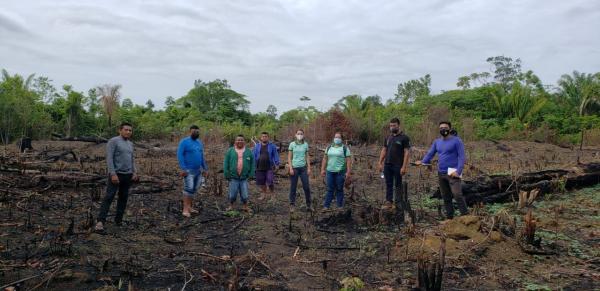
(119, 156)
(451, 154)
(273, 154)
(190, 155)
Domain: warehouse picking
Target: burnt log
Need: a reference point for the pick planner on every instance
(505, 188)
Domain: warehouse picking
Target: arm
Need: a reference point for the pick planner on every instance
(252, 168)
(133, 167)
(181, 156)
(323, 164)
(430, 154)
(405, 162)
(382, 158)
(290, 170)
(226, 164)
(309, 168)
(110, 155)
(275, 155)
(349, 164)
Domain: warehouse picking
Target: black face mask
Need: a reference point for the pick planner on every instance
(395, 130)
(195, 135)
(444, 132)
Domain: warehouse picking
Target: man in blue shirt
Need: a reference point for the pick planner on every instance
(451, 162)
(190, 155)
(266, 158)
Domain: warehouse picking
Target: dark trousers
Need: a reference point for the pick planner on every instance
(451, 188)
(335, 184)
(111, 191)
(393, 182)
(301, 173)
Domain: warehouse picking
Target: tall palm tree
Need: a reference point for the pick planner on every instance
(581, 90)
(110, 95)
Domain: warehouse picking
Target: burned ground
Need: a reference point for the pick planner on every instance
(49, 199)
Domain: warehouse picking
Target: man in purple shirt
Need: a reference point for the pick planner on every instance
(451, 151)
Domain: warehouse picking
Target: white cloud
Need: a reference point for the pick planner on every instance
(277, 51)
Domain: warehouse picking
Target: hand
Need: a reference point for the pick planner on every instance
(135, 178)
(309, 171)
(114, 179)
(183, 174)
(322, 173)
(403, 171)
(348, 175)
(454, 175)
(380, 168)
(291, 171)
(205, 174)
(418, 163)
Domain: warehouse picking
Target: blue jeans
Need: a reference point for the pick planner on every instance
(238, 186)
(301, 173)
(191, 183)
(393, 182)
(335, 183)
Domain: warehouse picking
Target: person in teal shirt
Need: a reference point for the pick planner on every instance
(337, 167)
(299, 166)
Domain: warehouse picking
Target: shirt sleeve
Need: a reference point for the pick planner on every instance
(385, 144)
(110, 155)
(406, 142)
(430, 153)
(275, 155)
(133, 167)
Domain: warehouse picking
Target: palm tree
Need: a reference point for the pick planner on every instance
(581, 91)
(110, 96)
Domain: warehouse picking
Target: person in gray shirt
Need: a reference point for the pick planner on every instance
(122, 172)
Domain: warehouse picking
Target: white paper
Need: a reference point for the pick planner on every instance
(452, 170)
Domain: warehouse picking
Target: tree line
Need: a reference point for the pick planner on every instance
(506, 102)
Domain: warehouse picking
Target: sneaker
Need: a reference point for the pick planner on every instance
(186, 214)
(229, 208)
(387, 205)
(99, 226)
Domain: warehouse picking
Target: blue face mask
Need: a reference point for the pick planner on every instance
(337, 140)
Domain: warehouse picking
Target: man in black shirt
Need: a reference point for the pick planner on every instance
(393, 161)
(267, 160)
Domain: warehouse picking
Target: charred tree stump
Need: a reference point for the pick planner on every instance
(431, 273)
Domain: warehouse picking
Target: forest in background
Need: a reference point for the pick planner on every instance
(505, 103)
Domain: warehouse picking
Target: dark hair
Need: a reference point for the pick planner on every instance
(300, 129)
(340, 133)
(194, 127)
(125, 124)
(240, 135)
(395, 120)
(446, 122)
(264, 132)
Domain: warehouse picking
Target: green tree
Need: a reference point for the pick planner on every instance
(217, 101)
(409, 91)
(580, 91)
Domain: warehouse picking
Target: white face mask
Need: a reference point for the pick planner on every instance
(299, 136)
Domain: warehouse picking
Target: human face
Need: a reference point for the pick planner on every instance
(444, 130)
(264, 138)
(126, 131)
(394, 127)
(240, 142)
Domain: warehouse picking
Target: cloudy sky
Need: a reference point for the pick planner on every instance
(277, 51)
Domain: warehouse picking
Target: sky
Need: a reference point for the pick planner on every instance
(275, 52)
